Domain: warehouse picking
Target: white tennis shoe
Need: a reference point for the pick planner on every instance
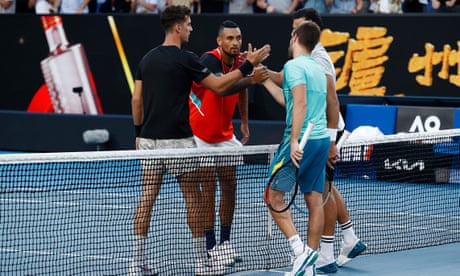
(205, 267)
(225, 253)
(350, 251)
(304, 262)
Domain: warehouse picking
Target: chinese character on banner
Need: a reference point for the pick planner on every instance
(446, 58)
(362, 68)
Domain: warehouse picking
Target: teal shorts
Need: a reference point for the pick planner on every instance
(312, 170)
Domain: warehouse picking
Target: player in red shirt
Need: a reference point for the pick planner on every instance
(211, 121)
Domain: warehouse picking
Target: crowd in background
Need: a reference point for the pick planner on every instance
(230, 6)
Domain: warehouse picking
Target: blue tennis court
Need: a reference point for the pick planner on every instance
(434, 260)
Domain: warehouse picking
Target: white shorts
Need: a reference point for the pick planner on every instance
(174, 166)
(220, 161)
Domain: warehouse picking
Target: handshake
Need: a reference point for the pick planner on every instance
(260, 73)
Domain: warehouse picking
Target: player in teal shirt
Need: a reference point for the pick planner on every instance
(304, 96)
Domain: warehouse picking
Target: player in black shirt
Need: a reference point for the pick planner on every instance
(161, 118)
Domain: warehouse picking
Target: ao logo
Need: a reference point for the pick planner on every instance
(432, 123)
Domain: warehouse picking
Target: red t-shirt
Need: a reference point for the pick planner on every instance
(210, 114)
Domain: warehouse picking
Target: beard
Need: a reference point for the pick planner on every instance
(231, 53)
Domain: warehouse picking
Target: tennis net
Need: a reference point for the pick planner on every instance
(403, 190)
(73, 213)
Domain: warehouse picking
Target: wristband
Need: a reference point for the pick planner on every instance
(246, 68)
(138, 130)
(332, 134)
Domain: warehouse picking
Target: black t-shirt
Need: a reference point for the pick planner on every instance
(212, 62)
(167, 73)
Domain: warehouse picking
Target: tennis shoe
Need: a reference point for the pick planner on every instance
(302, 262)
(142, 270)
(205, 267)
(310, 271)
(325, 264)
(350, 251)
(225, 254)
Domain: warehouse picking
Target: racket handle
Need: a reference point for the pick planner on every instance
(304, 139)
(342, 139)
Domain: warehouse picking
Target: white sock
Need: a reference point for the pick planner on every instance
(327, 247)
(139, 250)
(348, 232)
(296, 244)
(200, 247)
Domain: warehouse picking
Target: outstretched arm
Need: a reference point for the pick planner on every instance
(275, 91)
(220, 84)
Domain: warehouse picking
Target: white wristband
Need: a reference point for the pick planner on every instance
(332, 134)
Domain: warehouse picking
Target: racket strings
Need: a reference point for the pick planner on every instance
(287, 177)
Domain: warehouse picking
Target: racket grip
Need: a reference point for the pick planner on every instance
(307, 132)
(342, 139)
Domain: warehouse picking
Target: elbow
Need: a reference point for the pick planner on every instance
(136, 102)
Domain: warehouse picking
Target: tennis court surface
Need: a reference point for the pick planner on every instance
(72, 213)
(435, 260)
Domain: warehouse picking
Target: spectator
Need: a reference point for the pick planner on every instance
(411, 6)
(346, 6)
(256, 9)
(446, 6)
(47, 6)
(145, 6)
(322, 6)
(92, 6)
(115, 6)
(212, 6)
(193, 5)
(278, 6)
(387, 6)
(241, 6)
(74, 6)
(367, 7)
(7, 6)
(25, 6)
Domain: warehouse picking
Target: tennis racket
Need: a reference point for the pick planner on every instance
(329, 175)
(287, 174)
(330, 172)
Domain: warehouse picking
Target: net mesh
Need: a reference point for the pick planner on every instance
(73, 213)
(403, 191)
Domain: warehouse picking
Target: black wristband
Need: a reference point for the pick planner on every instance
(138, 130)
(246, 68)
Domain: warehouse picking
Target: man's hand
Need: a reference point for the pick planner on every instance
(333, 156)
(245, 132)
(242, 57)
(256, 56)
(296, 153)
(259, 75)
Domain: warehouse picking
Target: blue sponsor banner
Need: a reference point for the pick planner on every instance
(381, 116)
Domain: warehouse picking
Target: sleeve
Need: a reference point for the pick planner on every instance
(327, 66)
(198, 70)
(293, 74)
(212, 62)
(139, 72)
